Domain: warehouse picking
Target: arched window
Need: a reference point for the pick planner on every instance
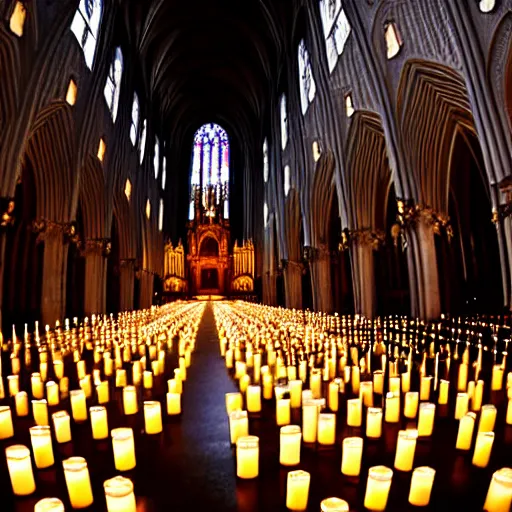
(161, 216)
(113, 85)
(210, 168)
(156, 158)
(86, 26)
(336, 30)
(393, 41)
(284, 122)
(18, 17)
(148, 209)
(266, 167)
(134, 129)
(317, 152)
(306, 80)
(191, 210)
(142, 147)
(265, 214)
(287, 180)
(164, 172)
(349, 105)
(128, 189)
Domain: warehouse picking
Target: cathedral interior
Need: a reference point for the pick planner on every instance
(255, 256)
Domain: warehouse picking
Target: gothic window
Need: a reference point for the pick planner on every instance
(17, 21)
(287, 182)
(102, 148)
(306, 80)
(284, 121)
(113, 85)
(265, 214)
(148, 209)
(156, 158)
(71, 93)
(128, 189)
(349, 106)
(164, 172)
(86, 25)
(134, 129)
(317, 152)
(142, 147)
(336, 30)
(265, 161)
(161, 216)
(487, 5)
(393, 41)
(191, 210)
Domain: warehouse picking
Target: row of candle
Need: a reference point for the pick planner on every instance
(320, 426)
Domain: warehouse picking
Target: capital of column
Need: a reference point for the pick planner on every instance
(363, 237)
(47, 229)
(97, 246)
(7, 206)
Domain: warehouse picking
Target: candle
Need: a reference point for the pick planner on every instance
(124, 448)
(426, 419)
(444, 388)
(40, 411)
(462, 405)
(295, 387)
(238, 425)
(355, 378)
(99, 422)
(333, 505)
(282, 411)
(476, 402)
(240, 369)
(41, 439)
(52, 393)
(483, 448)
(64, 387)
(78, 482)
(508, 418)
(78, 405)
(405, 448)
(49, 505)
(421, 486)
(394, 385)
(392, 413)
(120, 378)
(268, 389)
(130, 404)
(289, 445)
(406, 382)
(102, 392)
(411, 404)
(497, 378)
(425, 385)
(333, 396)
(233, 402)
(354, 412)
(247, 457)
(374, 422)
(173, 404)
(58, 369)
(326, 429)
(487, 418)
(176, 386)
(377, 488)
(21, 400)
(297, 490)
(119, 495)
(352, 456)
(366, 393)
(80, 369)
(147, 379)
(14, 384)
(153, 417)
(253, 397)
(85, 384)
(61, 426)
(37, 386)
(309, 421)
(257, 367)
(291, 373)
(499, 495)
(378, 382)
(315, 383)
(6, 426)
(20, 470)
(303, 371)
(462, 382)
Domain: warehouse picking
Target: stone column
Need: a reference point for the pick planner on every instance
(321, 279)
(146, 289)
(95, 252)
(363, 272)
(126, 284)
(293, 284)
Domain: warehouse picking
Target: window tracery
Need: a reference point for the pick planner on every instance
(156, 158)
(284, 122)
(336, 30)
(86, 25)
(134, 128)
(287, 180)
(265, 161)
(306, 79)
(393, 40)
(113, 85)
(142, 147)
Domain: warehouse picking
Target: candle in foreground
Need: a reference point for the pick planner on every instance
(374, 422)
(40, 411)
(253, 396)
(6, 426)
(352, 456)
(487, 418)
(354, 412)
(309, 421)
(130, 404)
(461, 405)
(238, 425)
(233, 402)
(465, 433)
(326, 429)
(377, 488)
(421, 486)
(21, 401)
(392, 412)
(52, 393)
(153, 417)
(247, 457)
(78, 482)
(426, 419)
(483, 448)
(499, 495)
(297, 490)
(103, 392)
(99, 422)
(411, 404)
(61, 426)
(173, 404)
(289, 446)
(405, 448)
(49, 505)
(124, 448)
(41, 439)
(334, 505)
(119, 495)
(78, 405)
(20, 470)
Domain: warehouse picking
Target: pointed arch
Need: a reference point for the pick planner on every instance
(9, 85)
(93, 199)
(293, 224)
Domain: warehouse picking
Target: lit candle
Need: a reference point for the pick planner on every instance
(238, 425)
(291, 373)
(268, 390)
(426, 419)
(49, 505)
(352, 456)
(37, 386)
(289, 445)
(333, 505)
(64, 387)
(119, 495)
(52, 392)
(355, 377)
(394, 385)
(6, 426)
(99, 422)
(315, 383)
(85, 384)
(406, 382)
(309, 421)
(14, 384)
(392, 413)
(497, 378)
(120, 378)
(297, 490)
(366, 393)
(153, 417)
(411, 404)
(40, 411)
(462, 405)
(462, 382)
(21, 400)
(425, 385)
(176, 386)
(102, 392)
(124, 448)
(333, 395)
(326, 429)
(444, 388)
(20, 470)
(295, 387)
(78, 482)
(173, 404)
(58, 369)
(253, 397)
(374, 422)
(233, 402)
(354, 412)
(499, 495)
(61, 426)
(240, 369)
(78, 405)
(282, 411)
(421, 486)
(80, 369)
(483, 448)
(476, 402)
(247, 457)
(378, 382)
(41, 439)
(130, 404)
(508, 418)
(487, 418)
(377, 488)
(405, 448)
(147, 379)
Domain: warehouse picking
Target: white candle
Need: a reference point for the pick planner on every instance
(40, 411)
(326, 429)
(476, 402)
(233, 402)
(52, 393)
(153, 417)
(238, 425)
(366, 393)
(295, 387)
(483, 448)
(462, 382)
(425, 385)
(14, 384)
(20, 470)
(6, 426)
(247, 457)
(21, 401)
(102, 392)
(130, 403)
(173, 404)
(444, 388)
(497, 378)
(49, 505)
(465, 433)
(394, 385)
(282, 411)
(421, 486)
(374, 422)
(253, 397)
(392, 412)
(41, 439)
(309, 421)
(411, 404)
(147, 377)
(499, 495)
(119, 495)
(333, 505)
(351, 456)
(315, 383)
(378, 382)
(289, 445)
(487, 418)
(377, 488)
(426, 419)
(297, 490)
(354, 412)
(508, 419)
(462, 405)
(37, 386)
(405, 449)
(78, 405)
(99, 422)
(78, 482)
(61, 426)
(124, 448)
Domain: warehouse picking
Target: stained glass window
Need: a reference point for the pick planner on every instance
(142, 147)
(164, 173)
(113, 85)
(156, 158)
(266, 166)
(306, 80)
(284, 122)
(134, 129)
(86, 25)
(336, 30)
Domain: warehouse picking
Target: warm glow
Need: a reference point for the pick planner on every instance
(128, 189)
(349, 106)
(393, 41)
(161, 216)
(102, 148)
(487, 5)
(18, 16)
(148, 209)
(72, 92)
(316, 151)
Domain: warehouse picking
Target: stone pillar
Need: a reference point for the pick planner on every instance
(321, 279)
(270, 288)
(126, 284)
(95, 253)
(363, 271)
(146, 289)
(293, 284)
